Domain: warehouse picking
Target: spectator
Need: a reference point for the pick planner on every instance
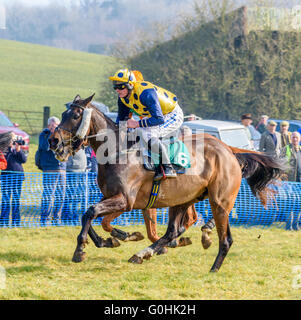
(191, 117)
(292, 152)
(285, 134)
(262, 124)
(3, 162)
(76, 188)
(5, 141)
(92, 165)
(11, 183)
(253, 134)
(270, 141)
(54, 176)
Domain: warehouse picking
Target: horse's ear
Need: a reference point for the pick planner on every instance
(88, 100)
(77, 98)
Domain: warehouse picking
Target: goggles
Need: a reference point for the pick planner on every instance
(119, 86)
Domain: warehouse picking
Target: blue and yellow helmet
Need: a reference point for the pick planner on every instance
(124, 76)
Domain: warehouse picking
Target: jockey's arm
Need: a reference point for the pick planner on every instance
(150, 100)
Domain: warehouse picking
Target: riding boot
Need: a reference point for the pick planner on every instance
(158, 146)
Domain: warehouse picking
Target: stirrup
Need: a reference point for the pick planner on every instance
(162, 174)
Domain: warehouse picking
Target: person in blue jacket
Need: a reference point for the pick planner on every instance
(11, 183)
(54, 176)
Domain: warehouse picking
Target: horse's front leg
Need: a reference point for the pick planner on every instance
(116, 203)
(117, 233)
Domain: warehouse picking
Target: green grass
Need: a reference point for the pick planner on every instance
(38, 266)
(33, 76)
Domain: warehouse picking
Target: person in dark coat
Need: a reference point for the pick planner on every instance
(11, 184)
(76, 188)
(270, 141)
(94, 195)
(54, 177)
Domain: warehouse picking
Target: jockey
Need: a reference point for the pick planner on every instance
(158, 109)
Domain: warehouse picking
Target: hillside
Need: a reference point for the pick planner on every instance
(32, 76)
(220, 73)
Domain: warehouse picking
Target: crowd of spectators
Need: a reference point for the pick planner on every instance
(284, 144)
(12, 177)
(67, 189)
(64, 195)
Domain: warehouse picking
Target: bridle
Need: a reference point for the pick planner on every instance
(74, 141)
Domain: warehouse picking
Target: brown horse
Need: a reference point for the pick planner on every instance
(150, 220)
(215, 173)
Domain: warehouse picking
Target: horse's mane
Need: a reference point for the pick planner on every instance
(108, 119)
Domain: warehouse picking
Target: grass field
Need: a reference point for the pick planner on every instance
(33, 76)
(38, 266)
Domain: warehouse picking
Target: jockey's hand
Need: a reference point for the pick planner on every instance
(131, 123)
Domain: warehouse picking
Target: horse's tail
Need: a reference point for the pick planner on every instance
(260, 170)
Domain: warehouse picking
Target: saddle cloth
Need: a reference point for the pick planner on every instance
(178, 155)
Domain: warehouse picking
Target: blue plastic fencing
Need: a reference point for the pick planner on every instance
(36, 199)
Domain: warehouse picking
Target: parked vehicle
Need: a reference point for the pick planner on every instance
(232, 133)
(6, 125)
(295, 125)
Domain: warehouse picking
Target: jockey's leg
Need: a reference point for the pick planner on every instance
(156, 145)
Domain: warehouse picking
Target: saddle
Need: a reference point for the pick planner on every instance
(179, 158)
(178, 155)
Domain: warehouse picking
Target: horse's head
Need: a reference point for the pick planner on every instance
(70, 134)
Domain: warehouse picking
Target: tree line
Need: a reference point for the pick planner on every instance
(87, 25)
(220, 75)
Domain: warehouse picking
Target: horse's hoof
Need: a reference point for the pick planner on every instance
(184, 241)
(79, 257)
(135, 236)
(112, 243)
(206, 241)
(135, 259)
(173, 243)
(162, 251)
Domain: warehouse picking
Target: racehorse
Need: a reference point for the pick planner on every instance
(215, 173)
(150, 219)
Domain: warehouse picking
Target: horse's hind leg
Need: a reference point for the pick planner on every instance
(150, 220)
(221, 217)
(191, 217)
(117, 233)
(175, 229)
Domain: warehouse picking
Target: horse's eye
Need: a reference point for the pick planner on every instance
(76, 116)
